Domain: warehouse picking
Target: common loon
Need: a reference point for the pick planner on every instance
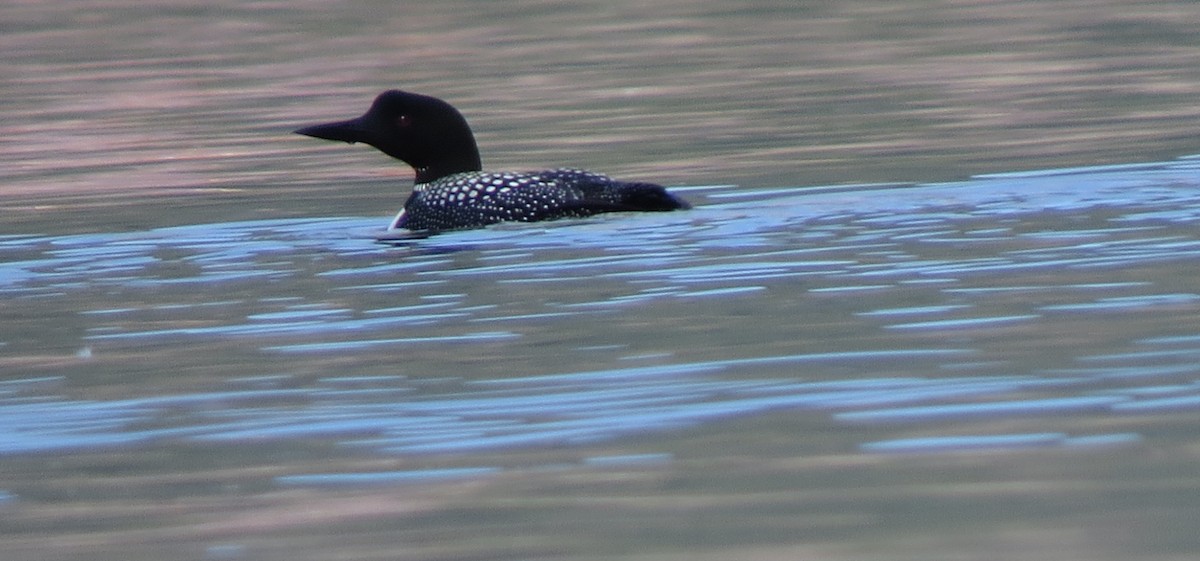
(452, 192)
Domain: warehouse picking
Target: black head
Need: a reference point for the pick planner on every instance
(425, 132)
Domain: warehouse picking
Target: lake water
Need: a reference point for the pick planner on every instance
(876, 336)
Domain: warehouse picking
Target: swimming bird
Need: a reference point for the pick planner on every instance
(452, 192)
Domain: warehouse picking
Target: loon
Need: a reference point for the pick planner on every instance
(452, 192)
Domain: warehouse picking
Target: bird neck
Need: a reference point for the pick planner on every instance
(453, 159)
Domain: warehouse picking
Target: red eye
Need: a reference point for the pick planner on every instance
(403, 121)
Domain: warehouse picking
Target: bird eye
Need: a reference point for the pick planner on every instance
(403, 121)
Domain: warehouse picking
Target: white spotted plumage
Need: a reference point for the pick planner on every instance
(477, 198)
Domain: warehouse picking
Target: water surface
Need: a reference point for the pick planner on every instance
(874, 337)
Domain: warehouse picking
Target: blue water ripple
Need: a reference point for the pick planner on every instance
(983, 410)
(385, 477)
(989, 261)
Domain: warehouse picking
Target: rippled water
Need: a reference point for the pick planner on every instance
(206, 354)
(1015, 311)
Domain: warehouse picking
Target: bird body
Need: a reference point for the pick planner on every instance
(451, 191)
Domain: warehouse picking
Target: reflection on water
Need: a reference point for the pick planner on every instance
(138, 118)
(1033, 311)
